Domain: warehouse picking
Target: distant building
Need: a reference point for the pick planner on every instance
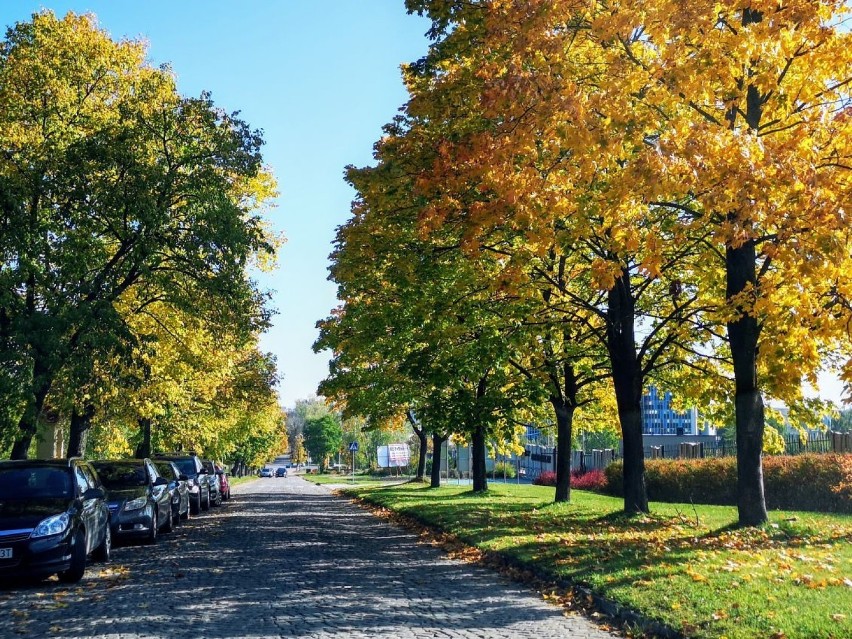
(658, 417)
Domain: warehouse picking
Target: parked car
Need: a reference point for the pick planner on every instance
(215, 482)
(53, 515)
(190, 465)
(177, 487)
(139, 500)
(266, 472)
(226, 484)
(281, 471)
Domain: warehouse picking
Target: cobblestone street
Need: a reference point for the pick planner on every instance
(284, 558)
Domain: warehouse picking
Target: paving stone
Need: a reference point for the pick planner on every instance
(285, 558)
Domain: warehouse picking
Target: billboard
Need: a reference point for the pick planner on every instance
(393, 455)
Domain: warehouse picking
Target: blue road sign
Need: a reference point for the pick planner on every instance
(353, 447)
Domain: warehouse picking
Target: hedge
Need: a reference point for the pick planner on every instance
(815, 482)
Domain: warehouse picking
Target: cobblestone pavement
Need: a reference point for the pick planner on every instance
(284, 558)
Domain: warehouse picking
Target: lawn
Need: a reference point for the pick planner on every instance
(360, 480)
(683, 566)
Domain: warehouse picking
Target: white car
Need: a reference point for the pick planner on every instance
(266, 472)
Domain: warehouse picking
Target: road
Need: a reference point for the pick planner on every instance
(285, 558)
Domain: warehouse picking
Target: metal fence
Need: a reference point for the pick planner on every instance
(793, 445)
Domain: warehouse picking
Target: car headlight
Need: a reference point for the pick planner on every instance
(136, 504)
(52, 526)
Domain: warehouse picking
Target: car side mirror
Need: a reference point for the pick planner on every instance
(94, 493)
(220, 472)
(161, 481)
(183, 478)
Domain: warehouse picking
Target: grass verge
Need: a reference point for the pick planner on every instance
(360, 480)
(685, 567)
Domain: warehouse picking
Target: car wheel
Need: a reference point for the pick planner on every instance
(185, 515)
(103, 552)
(195, 503)
(155, 524)
(218, 500)
(205, 505)
(78, 560)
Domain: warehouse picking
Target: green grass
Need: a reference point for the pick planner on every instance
(684, 566)
(360, 480)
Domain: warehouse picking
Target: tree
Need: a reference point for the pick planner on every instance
(323, 438)
(113, 184)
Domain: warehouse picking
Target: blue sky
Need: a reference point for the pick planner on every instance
(320, 78)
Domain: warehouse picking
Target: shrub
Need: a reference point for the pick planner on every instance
(504, 469)
(594, 479)
(816, 482)
(546, 478)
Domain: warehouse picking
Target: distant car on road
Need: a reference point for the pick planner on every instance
(266, 472)
(281, 471)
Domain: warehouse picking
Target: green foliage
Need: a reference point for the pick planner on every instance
(817, 482)
(504, 469)
(323, 438)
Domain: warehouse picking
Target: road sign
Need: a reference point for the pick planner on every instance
(353, 447)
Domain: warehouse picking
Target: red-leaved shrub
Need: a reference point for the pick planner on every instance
(546, 478)
(594, 480)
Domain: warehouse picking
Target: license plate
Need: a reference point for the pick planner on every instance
(5, 553)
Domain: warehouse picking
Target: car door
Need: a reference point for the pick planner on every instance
(160, 491)
(89, 512)
(101, 508)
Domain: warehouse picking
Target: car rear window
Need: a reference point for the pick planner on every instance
(114, 475)
(35, 483)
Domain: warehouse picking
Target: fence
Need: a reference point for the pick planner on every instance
(793, 445)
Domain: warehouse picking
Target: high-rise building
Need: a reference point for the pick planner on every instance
(658, 417)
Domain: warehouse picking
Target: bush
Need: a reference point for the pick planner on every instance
(504, 469)
(594, 480)
(546, 478)
(815, 482)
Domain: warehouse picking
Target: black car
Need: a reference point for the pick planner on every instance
(177, 487)
(52, 516)
(196, 479)
(140, 503)
(281, 471)
(214, 481)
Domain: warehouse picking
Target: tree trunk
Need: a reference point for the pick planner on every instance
(421, 453)
(743, 334)
(628, 382)
(80, 423)
(144, 447)
(564, 422)
(437, 442)
(28, 424)
(477, 462)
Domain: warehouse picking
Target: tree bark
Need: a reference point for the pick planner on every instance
(437, 442)
(79, 428)
(628, 381)
(144, 447)
(28, 424)
(480, 478)
(743, 334)
(564, 425)
(421, 453)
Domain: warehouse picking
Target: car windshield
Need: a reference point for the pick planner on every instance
(117, 475)
(186, 466)
(35, 483)
(165, 469)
